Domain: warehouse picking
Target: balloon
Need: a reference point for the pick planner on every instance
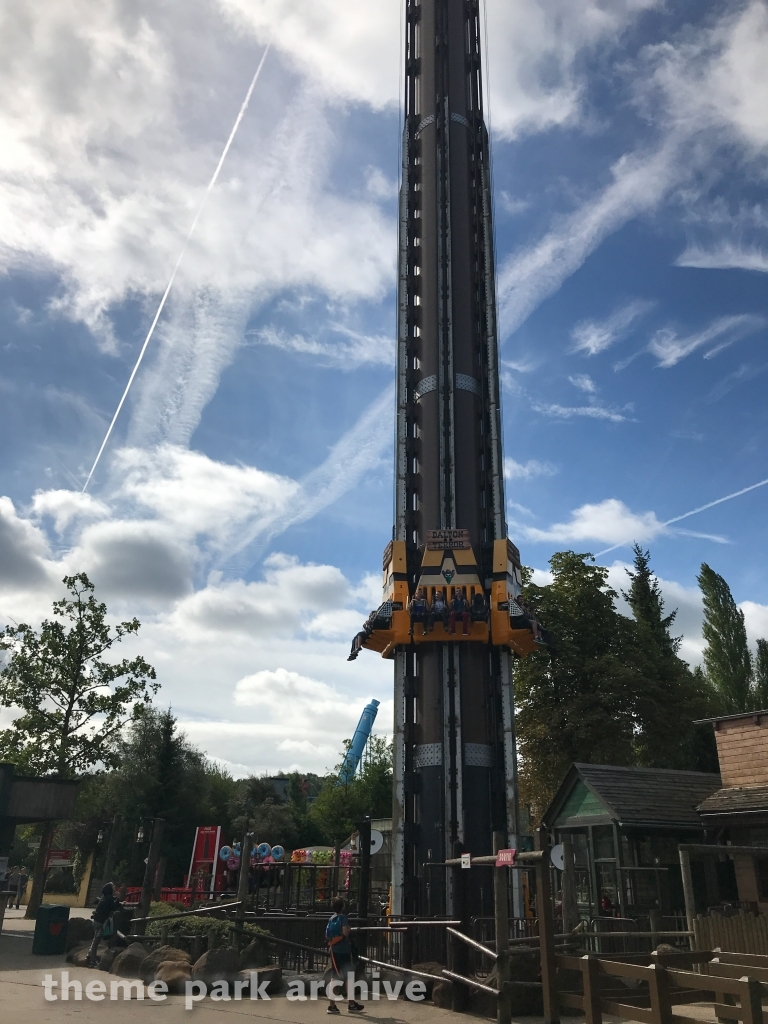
(225, 852)
(233, 863)
(264, 849)
(278, 852)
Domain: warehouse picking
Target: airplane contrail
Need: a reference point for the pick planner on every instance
(167, 291)
(694, 511)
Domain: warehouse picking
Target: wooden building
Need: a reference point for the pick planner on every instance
(624, 825)
(738, 812)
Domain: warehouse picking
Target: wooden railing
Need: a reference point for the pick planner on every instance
(731, 983)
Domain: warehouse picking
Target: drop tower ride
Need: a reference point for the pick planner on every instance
(455, 776)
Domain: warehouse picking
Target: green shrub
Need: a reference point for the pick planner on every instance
(198, 925)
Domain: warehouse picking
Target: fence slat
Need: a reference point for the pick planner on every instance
(590, 975)
(629, 1012)
(751, 1005)
(658, 983)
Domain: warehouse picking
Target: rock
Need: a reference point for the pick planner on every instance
(482, 1003)
(78, 957)
(175, 974)
(162, 954)
(442, 994)
(127, 964)
(109, 957)
(217, 965)
(273, 976)
(429, 967)
(255, 954)
(79, 930)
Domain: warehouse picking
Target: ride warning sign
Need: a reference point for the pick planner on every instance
(446, 540)
(506, 858)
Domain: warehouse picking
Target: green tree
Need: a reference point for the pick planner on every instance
(761, 676)
(72, 701)
(158, 773)
(340, 804)
(576, 701)
(727, 658)
(670, 697)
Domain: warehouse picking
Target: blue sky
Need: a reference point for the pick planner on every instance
(244, 499)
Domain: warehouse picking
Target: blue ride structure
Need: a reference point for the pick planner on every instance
(355, 752)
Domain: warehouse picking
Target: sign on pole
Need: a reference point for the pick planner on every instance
(506, 858)
(466, 860)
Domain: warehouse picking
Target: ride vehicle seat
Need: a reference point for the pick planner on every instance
(478, 611)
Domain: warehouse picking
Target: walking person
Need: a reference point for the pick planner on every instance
(337, 936)
(12, 883)
(105, 908)
(21, 887)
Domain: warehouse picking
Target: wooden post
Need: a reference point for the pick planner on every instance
(690, 902)
(570, 906)
(458, 953)
(149, 875)
(590, 977)
(501, 914)
(159, 879)
(114, 839)
(364, 843)
(658, 982)
(751, 1003)
(546, 917)
(242, 891)
(655, 916)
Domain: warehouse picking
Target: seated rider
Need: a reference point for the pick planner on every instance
(459, 609)
(362, 636)
(439, 610)
(479, 610)
(419, 609)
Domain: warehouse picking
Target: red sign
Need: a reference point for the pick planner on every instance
(506, 858)
(59, 859)
(206, 867)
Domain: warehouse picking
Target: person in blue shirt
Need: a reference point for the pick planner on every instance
(337, 936)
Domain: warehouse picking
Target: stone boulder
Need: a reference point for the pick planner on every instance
(429, 967)
(160, 955)
(78, 956)
(442, 994)
(175, 974)
(127, 964)
(217, 965)
(79, 930)
(255, 954)
(109, 957)
(273, 976)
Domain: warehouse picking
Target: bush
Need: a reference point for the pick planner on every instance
(60, 880)
(197, 925)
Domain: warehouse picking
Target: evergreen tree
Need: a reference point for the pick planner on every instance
(575, 702)
(670, 696)
(761, 676)
(727, 658)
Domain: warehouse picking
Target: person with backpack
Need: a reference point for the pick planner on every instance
(337, 936)
(105, 908)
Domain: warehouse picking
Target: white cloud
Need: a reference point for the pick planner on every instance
(583, 382)
(607, 522)
(527, 470)
(353, 350)
(669, 349)
(755, 619)
(67, 507)
(593, 336)
(567, 412)
(724, 256)
(23, 551)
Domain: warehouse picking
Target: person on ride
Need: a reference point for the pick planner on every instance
(479, 612)
(337, 936)
(439, 611)
(419, 609)
(459, 609)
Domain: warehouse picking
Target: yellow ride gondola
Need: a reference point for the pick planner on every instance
(450, 603)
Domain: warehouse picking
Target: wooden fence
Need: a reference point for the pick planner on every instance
(738, 933)
(731, 983)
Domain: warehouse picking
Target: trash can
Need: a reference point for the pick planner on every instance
(50, 929)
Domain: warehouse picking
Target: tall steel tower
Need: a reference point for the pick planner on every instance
(455, 764)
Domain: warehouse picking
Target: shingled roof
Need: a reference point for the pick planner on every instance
(736, 800)
(634, 796)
